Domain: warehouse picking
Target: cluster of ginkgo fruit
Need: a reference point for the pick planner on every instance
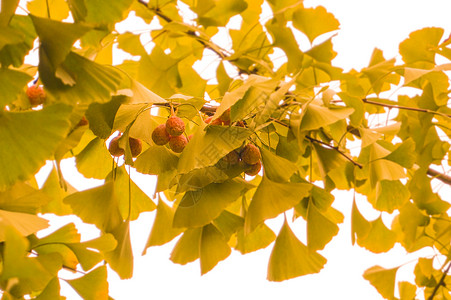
(172, 133)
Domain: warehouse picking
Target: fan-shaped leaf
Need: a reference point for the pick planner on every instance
(28, 139)
(379, 238)
(92, 286)
(213, 248)
(320, 229)
(198, 208)
(271, 199)
(314, 21)
(12, 83)
(162, 229)
(383, 280)
(291, 258)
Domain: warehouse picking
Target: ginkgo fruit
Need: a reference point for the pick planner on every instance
(253, 170)
(114, 148)
(135, 146)
(225, 117)
(231, 158)
(83, 122)
(36, 95)
(175, 126)
(250, 154)
(208, 119)
(178, 143)
(160, 136)
(116, 151)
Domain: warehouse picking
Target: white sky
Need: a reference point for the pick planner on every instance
(364, 26)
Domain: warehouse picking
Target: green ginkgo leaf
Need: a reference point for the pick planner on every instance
(317, 116)
(290, 258)
(389, 195)
(213, 248)
(156, 160)
(8, 9)
(383, 169)
(420, 45)
(284, 39)
(56, 38)
(228, 224)
(91, 252)
(320, 229)
(360, 227)
(33, 273)
(105, 12)
(52, 188)
(258, 239)
(12, 83)
(97, 206)
(22, 197)
(92, 286)
(28, 139)
(200, 207)
(379, 238)
(328, 159)
(233, 96)
(85, 81)
(20, 26)
(220, 12)
(423, 196)
(368, 136)
(187, 247)
(314, 21)
(209, 144)
(101, 116)
(94, 161)
(131, 199)
(51, 291)
(383, 280)
(404, 154)
(162, 229)
(273, 198)
(121, 258)
(277, 168)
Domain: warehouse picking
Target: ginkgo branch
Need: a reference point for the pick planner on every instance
(441, 282)
(336, 149)
(423, 110)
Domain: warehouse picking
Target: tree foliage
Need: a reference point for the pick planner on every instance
(303, 114)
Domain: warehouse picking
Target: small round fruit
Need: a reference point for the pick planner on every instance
(114, 148)
(83, 122)
(135, 146)
(178, 143)
(232, 158)
(216, 122)
(160, 136)
(208, 120)
(250, 154)
(36, 95)
(240, 124)
(175, 126)
(225, 117)
(253, 170)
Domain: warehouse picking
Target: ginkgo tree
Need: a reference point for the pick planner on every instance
(302, 117)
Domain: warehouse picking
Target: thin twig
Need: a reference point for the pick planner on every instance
(441, 282)
(424, 110)
(336, 149)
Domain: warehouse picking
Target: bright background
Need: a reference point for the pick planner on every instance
(364, 26)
